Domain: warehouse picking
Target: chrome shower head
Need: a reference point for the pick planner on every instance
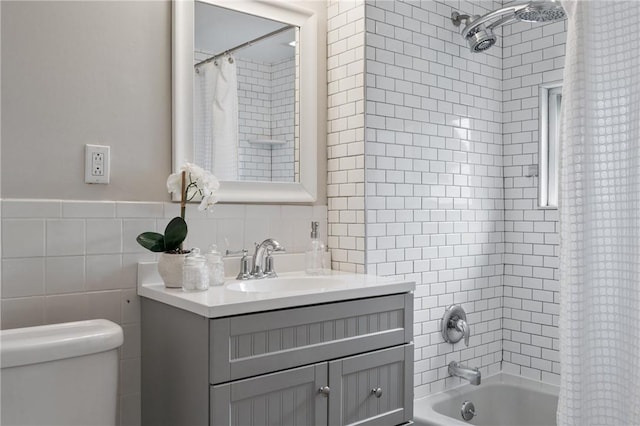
(481, 39)
(478, 30)
(540, 11)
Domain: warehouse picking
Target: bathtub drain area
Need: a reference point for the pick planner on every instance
(468, 410)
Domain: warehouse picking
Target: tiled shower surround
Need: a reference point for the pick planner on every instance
(434, 192)
(532, 55)
(429, 148)
(345, 135)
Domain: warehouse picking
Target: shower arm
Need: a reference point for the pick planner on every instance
(493, 15)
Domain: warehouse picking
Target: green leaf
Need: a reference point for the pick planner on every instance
(175, 233)
(151, 241)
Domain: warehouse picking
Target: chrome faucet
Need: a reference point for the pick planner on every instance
(471, 374)
(262, 260)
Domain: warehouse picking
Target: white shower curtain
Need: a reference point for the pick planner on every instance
(600, 216)
(216, 118)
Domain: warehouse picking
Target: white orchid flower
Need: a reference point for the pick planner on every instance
(174, 182)
(207, 202)
(198, 181)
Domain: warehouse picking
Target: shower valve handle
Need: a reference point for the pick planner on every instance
(455, 325)
(462, 326)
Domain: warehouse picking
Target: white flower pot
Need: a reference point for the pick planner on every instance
(170, 268)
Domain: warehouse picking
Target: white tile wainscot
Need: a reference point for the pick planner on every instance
(72, 260)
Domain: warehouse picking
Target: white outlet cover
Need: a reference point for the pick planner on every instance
(90, 164)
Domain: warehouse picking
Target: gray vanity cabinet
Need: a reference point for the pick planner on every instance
(338, 364)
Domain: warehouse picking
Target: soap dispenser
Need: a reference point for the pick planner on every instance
(314, 256)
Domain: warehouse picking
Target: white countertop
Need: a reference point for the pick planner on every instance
(222, 301)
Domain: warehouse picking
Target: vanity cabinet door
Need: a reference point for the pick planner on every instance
(287, 398)
(375, 388)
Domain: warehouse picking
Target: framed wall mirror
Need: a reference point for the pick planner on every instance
(244, 97)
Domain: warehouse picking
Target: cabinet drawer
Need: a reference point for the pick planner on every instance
(254, 344)
(353, 383)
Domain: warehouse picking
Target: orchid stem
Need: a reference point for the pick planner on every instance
(183, 200)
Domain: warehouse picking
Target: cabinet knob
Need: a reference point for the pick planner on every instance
(377, 392)
(324, 391)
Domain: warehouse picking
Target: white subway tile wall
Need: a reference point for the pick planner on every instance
(254, 119)
(283, 76)
(533, 54)
(265, 111)
(434, 194)
(254, 96)
(75, 260)
(296, 113)
(449, 136)
(345, 138)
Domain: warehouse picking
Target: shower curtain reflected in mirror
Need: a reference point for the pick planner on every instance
(216, 117)
(600, 216)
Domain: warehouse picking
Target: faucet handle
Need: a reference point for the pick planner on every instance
(245, 267)
(269, 272)
(462, 326)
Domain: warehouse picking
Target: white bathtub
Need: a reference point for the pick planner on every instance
(501, 400)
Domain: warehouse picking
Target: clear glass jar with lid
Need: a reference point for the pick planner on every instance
(215, 265)
(195, 274)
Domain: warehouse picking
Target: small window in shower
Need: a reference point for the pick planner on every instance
(548, 173)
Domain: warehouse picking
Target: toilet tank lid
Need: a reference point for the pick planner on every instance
(31, 345)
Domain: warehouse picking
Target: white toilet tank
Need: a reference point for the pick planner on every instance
(60, 374)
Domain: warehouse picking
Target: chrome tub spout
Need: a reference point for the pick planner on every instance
(471, 374)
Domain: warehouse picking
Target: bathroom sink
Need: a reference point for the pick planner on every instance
(288, 284)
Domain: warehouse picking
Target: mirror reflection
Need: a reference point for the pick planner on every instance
(245, 99)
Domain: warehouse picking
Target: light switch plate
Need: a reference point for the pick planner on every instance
(97, 163)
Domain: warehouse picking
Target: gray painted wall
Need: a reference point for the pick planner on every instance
(86, 72)
(96, 72)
